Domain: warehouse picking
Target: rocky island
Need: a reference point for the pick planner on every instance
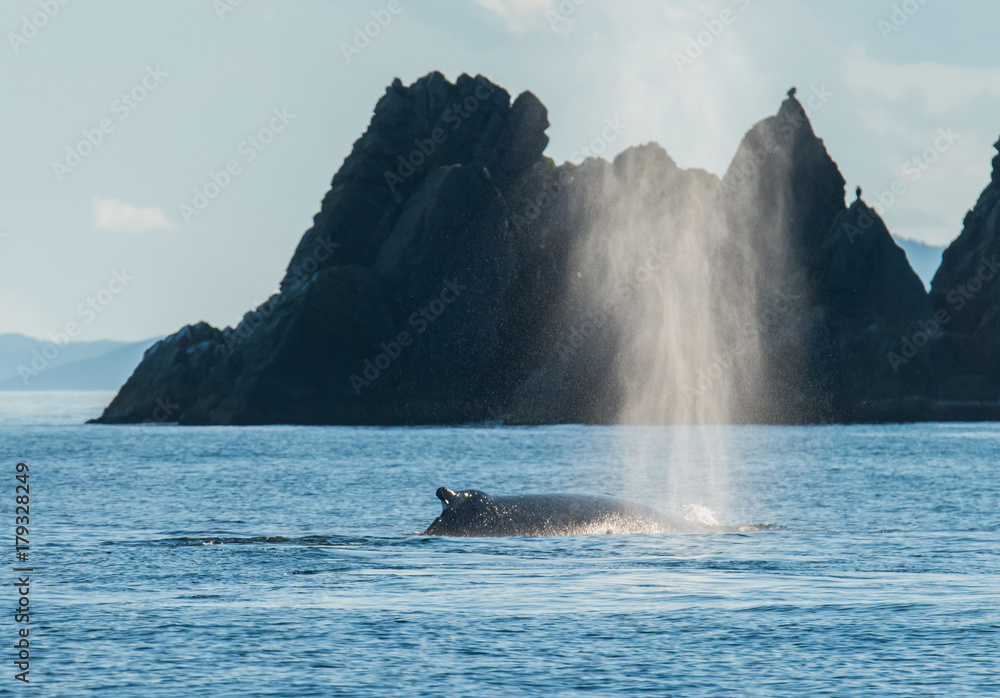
(455, 274)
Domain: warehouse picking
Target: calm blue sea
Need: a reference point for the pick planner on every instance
(174, 561)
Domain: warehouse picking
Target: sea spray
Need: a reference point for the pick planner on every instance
(712, 335)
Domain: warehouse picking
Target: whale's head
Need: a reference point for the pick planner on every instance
(464, 513)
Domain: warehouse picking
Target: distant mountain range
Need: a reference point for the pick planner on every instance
(925, 259)
(27, 363)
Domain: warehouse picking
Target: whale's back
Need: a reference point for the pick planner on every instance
(474, 513)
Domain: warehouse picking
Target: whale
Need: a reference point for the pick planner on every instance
(473, 513)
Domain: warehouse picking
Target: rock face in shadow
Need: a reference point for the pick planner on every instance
(834, 292)
(965, 293)
(441, 283)
(418, 295)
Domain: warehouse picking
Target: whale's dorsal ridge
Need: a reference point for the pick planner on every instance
(475, 513)
(450, 497)
(445, 495)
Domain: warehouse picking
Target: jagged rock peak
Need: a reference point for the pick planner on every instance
(786, 132)
(416, 133)
(641, 159)
(996, 164)
(782, 184)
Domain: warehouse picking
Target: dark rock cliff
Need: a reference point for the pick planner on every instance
(443, 281)
(842, 291)
(413, 298)
(965, 293)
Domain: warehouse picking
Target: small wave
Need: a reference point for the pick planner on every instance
(185, 541)
(702, 515)
(337, 541)
(753, 527)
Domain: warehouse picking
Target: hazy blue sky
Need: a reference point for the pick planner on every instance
(209, 79)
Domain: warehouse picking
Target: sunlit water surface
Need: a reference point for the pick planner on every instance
(173, 561)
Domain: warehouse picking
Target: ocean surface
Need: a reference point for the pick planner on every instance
(286, 561)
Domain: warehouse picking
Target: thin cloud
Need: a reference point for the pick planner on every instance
(112, 214)
(520, 15)
(942, 88)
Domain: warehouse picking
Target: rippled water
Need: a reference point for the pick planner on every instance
(174, 561)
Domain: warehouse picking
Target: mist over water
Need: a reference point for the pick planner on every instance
(698, 277)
